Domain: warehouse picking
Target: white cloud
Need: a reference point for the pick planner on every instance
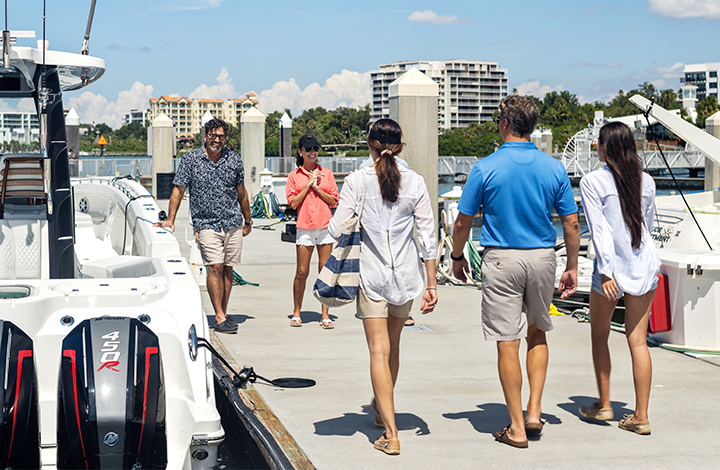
(536, 90)
(682, 9)
(429, 16)
(96, 108)
(26, 105)
(668, 76)
(347, 89)
(224, 90)
(192, 5)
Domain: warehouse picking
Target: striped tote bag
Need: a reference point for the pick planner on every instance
(337, 283)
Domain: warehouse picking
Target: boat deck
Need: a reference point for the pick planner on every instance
(448, 396)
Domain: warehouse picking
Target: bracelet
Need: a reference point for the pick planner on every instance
(459, 258)
(431, 288)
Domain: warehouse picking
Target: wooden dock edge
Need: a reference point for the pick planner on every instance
(255, 402)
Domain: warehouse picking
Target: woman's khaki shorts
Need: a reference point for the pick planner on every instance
(517, 287)
(221, 247)
(369, 308)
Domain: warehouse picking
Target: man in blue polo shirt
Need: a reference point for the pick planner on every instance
(517, 187)
(220, 212)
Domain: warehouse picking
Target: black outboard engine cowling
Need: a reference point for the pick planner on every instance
(19, 445)
(111, 403)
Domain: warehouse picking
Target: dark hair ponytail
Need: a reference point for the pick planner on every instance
(624, 164)
(385, 139)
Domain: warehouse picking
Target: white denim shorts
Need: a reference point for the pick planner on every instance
(597, 282)
(313, 237)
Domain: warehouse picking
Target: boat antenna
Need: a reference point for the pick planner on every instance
(646, 113)
(85, 49)
(6, 42)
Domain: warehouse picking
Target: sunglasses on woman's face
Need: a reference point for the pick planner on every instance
(312, 149)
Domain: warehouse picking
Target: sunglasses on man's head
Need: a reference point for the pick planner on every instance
(312, 149)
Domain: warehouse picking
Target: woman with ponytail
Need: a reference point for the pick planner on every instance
(391, 272)
(619, 207)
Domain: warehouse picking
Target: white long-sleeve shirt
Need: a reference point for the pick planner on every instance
(390, 268)
(634, 270)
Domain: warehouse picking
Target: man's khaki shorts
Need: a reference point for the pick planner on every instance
(517, 287)
(221, 247)
(369, 308)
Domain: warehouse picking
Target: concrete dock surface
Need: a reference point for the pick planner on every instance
(448, 397)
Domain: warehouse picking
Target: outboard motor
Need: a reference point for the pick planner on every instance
(111, 403)
(19, 446)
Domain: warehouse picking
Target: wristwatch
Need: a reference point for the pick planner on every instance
(248, 223)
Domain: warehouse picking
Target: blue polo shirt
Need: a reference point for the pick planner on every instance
(517, 187)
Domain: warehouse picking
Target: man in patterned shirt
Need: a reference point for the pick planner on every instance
(220, 212)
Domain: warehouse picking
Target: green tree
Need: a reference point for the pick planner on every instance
(706, 108)
(133, 130)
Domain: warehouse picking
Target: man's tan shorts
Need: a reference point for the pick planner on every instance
(221, 247)
(517, 287)
(369, 308)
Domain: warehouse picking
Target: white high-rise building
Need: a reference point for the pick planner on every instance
(704, 77)
(135, 115)
(20, 126)
(469, 90)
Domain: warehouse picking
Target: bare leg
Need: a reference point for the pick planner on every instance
(637, 311)
(216, 291)
(301, 274)
(601, 310)
(537, 364)
(383, 338)
(323, 255)
(228, 282)
(511, 380)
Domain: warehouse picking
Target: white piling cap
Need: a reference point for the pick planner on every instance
(252, 115)
(162, 121)
(206, 117)
(72, 118)
(285, 121)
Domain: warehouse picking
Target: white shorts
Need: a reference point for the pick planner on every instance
(313, 237)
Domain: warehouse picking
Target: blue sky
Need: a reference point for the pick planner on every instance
(318, 53)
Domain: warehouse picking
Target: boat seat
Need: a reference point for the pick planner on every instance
(126, 266)
(21, 177)
(20, 249)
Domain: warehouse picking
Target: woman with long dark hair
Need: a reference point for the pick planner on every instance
(391, 272)
(310, 189)
(619, 202)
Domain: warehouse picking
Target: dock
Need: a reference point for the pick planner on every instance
(448, 396)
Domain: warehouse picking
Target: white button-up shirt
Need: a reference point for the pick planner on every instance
(634, 270)
(390, 268)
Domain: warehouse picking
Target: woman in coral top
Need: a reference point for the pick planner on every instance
(310, 189)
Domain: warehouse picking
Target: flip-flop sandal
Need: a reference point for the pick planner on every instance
(327, 324)
(410, 321)
(504, 437)
(295, 321)
(534, 428)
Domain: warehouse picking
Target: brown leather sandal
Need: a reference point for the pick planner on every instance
(504, 437)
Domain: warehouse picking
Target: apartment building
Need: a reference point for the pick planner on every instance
(469, 91)
(23, 127)
(187, 113)
(135, 115)
(704, 77)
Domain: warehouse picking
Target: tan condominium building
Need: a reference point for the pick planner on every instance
(469, 91)
(187, 113)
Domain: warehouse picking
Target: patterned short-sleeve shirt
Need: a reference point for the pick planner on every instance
(213, 189)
